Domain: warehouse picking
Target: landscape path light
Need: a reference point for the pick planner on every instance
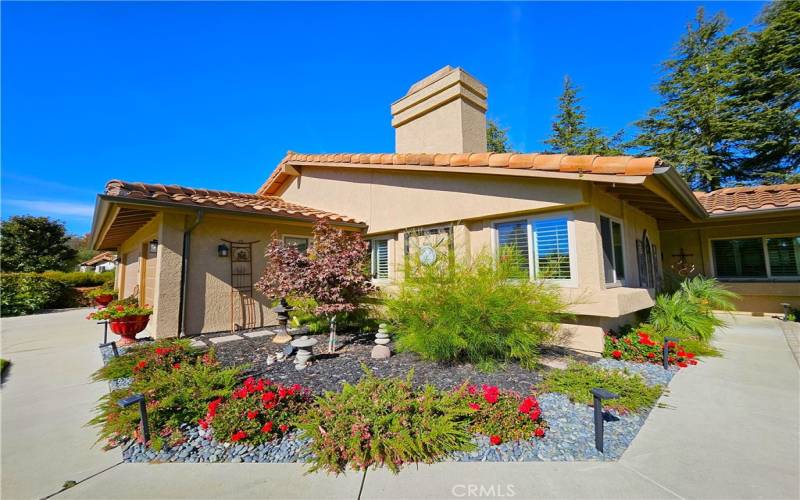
(599, 396)
(667, 340)
(132, 400)
(105, 332)
(113, 347)
(785, 311)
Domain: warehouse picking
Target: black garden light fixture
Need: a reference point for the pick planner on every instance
(667, 340)
(599, 395)
(113, 346)
(105, 333)
(132, 400)
(785, 311)
(223, 250)
(153, 247)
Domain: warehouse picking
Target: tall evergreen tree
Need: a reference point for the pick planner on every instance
(692, 126)
(496, 138)
(767, 97)
(571, 135)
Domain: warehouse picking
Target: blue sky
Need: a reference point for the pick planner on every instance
(214, 94)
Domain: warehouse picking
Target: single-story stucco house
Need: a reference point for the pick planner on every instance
(104, 261)
(617, 224)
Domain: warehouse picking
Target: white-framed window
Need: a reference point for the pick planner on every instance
(757, 258)
(613, 250)
(379, 260)
(543, 245)
(299, 242)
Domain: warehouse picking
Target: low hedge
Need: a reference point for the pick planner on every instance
(26, 293)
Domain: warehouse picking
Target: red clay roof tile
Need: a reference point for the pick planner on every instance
(239, 202)
(741, 199)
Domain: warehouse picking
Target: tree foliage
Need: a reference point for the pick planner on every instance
(34, 244)
(496, 138)
(729, 101)
(571, 134)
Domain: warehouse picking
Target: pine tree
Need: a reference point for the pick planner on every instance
(571, 135)
(766, 96)
(496, 138)
(693, 126)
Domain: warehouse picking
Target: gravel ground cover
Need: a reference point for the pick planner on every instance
(570, 436)
(329, 372)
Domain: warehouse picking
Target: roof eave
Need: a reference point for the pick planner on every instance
(677, 186)
(217, 209)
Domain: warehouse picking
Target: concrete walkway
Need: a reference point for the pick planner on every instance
(729, 429)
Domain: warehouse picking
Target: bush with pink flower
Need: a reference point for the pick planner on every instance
(637, 345)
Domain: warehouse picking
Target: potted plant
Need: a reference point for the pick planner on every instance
(102, 295)
(125, 318)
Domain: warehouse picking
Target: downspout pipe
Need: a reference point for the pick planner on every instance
(187, 240)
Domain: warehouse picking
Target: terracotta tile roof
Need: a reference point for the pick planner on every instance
(741, 199)
(239, 202)
(611, 165)
(101, 257)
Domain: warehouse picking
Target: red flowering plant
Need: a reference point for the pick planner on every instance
(178, 383)
(120, 311)
(636, 344)
(503, 415)
(257, 411)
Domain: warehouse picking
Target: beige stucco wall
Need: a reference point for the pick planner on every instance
(758, 296)
(209, 280)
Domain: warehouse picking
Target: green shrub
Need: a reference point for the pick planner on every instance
(26, 293)
(474, 311)
(580, 378)
(503, 415)
(384, 422)
(257, 411)
(178, 383)
(678, 316)
(81, 279)
(99, 291)
(359, 321)
(709, 294)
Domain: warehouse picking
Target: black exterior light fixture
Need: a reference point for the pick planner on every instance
(599, 395)
(153, 247)
(113, 346)
(223, 250)
(667, 340)
(132, 400)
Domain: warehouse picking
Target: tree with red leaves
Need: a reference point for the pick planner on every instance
(331, 273)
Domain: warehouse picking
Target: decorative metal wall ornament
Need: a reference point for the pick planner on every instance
(241, 253)
(682, 266)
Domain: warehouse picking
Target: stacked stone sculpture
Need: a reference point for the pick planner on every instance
(381, 349)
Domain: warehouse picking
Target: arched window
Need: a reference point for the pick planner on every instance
(647, 255)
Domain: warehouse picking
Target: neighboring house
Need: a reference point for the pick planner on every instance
(606, 228)
(105, 261)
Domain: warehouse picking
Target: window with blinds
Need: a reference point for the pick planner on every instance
(755, 258)
(551, 246)
(380, 259)
(512, 242)
(613, 263)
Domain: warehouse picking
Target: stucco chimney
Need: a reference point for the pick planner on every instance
(442, 113)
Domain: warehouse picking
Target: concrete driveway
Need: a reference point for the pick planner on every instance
(728, 429)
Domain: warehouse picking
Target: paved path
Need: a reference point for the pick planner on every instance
(729, 429)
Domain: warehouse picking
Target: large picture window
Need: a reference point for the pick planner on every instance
(541, 247)
(613, 261)
(757, 258)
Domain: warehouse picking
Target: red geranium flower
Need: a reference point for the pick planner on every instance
(539, 432)
(472, 389)
(535, 414)
(267, 427)
(692, 361)
(682, 364)
(251, 415)
(651, 355)
(690, 355)
(475, 406)
(212, 407)
(616, 354)
(177, 366)
(268, 396)
(238, 436)
(495, 440)
(671, 344)
(203, 423)
(527, 405)
(491, 393)
(284, 427)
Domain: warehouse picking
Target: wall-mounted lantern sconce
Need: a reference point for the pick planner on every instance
(153, 246)
(222, 250)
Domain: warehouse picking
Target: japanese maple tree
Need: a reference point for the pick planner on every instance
(331, 273)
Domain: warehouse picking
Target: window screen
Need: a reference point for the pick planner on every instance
(380, 259)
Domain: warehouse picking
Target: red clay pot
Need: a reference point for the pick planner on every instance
(127, 328)
(103, 300)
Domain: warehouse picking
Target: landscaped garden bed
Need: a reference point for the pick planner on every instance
(465, 382)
